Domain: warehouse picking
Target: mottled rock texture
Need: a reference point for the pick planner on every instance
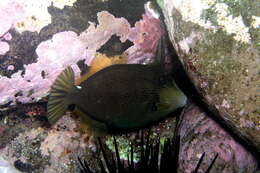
(199, 134)
(218, 45)
(29, 145)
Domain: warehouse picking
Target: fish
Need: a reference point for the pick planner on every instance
(120, 96)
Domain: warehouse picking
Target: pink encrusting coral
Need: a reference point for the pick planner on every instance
(147, 32)
(64, 49)
(59, 144)
(95, 37)
(10, 13)
(200, 133)
(145, 36)
(7, 36)
(67, 48)
(4, 47)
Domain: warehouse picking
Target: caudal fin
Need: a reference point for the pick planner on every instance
(58, 102)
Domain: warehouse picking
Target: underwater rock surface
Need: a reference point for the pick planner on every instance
(25, 142)
(199, 134)
(218, 45)
(28, 145)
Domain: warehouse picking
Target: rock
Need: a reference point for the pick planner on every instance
(29, 145)
(218, 45)
(200, 134)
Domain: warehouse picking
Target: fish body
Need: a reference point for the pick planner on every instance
(121, 96)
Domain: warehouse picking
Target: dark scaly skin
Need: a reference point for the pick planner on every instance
(121, 96)
(118, 97)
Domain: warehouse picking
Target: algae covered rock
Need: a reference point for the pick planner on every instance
(218, 45)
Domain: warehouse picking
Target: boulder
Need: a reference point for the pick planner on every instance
(218, 45)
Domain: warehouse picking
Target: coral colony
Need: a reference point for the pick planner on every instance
(67, 48)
